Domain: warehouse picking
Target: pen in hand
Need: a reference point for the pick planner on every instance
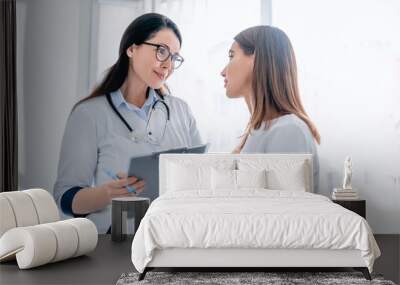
(130, 189)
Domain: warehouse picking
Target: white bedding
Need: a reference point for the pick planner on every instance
(251, 218)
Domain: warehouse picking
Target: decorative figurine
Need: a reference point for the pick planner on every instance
(347, 174)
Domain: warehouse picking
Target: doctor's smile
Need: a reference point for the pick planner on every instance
(162, 76)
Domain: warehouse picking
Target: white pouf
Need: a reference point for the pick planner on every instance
(31, 233)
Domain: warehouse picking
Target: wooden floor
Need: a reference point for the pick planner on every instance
(389, 262)
(110, 260)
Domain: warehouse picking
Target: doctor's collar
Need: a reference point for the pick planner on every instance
(118, 100)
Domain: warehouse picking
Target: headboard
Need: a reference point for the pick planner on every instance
(282, 164)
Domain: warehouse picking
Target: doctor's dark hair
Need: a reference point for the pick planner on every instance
(274, 82)
(140, 30)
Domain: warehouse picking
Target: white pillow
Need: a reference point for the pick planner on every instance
(251, 178)
(223, 179)
(183, 177)
(281, 174)
(293, 179)
(228, 179)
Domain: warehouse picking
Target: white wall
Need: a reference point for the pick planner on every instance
(52, 69)
(348, 56)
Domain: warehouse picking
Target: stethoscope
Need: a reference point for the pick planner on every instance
(149, 132)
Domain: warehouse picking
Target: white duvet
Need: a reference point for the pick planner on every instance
(250, 219)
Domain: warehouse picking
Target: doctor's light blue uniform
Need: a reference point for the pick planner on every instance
(96, 139)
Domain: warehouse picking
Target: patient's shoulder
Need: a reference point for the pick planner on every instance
(290, 133)
(289, 124)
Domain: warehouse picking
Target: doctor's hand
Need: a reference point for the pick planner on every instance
(91, 199)
(118, 188)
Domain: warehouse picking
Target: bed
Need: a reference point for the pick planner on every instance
(247, 211)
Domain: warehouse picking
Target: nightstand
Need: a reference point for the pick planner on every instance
(357, 206)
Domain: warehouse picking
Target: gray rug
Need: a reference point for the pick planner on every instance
(229, 278)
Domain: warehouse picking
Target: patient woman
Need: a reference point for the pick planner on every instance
(262, 69)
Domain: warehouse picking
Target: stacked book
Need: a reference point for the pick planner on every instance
(344, 194)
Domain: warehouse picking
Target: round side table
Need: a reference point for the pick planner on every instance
(125, 209)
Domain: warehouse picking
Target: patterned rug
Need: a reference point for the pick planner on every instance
(242, 278)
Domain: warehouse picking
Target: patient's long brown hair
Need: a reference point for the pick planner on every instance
(274, 85)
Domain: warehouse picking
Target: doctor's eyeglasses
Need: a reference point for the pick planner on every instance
(163, 53)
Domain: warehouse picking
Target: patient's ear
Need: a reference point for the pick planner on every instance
(252, 58)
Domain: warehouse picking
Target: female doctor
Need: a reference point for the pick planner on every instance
(130, 113)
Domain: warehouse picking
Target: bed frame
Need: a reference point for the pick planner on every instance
(248, 259)
(261, 259)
